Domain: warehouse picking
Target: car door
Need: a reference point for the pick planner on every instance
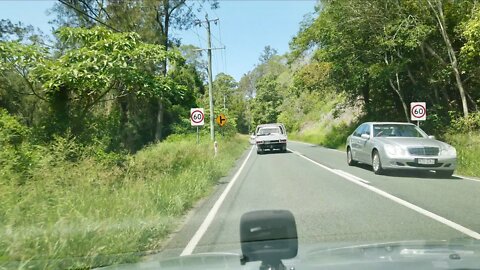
(355, 142)
(368, 144)
(362, 154)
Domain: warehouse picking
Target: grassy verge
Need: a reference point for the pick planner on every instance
(331, 137)
(90, 213)
(468, 147)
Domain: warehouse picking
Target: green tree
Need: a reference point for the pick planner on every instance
(392, 52)
(265, 105)
(224, 87)
(98, 71)
(152, 19)
(267, 54)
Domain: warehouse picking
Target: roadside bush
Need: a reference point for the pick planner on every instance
(17, 156)
(468, 147)
(77, 212)
(337, 136)
(461, 124)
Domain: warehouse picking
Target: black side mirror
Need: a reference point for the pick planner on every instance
(268, 236)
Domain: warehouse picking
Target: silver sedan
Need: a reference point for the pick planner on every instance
(392, 145)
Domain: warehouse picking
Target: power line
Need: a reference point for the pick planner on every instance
(200, 38)
(224, 54)
(89, 16)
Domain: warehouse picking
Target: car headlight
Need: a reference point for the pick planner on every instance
(394, 150)
(260, 142)
(449, 150)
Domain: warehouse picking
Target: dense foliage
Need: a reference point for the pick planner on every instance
(88, 176)
(380, 55)
(391, 53)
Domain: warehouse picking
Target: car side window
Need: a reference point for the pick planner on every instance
(359, 131)
(366, 130)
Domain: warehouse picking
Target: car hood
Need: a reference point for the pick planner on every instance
(411, 142)
(457, 254)
(271, 137)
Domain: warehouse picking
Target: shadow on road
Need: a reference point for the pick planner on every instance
(427, 175)
(275, 152)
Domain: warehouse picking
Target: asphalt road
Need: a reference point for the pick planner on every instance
(332, 202)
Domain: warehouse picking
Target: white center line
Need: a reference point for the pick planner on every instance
(211, 215)
(416, 208)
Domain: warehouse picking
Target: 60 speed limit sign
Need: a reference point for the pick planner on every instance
(418, 111)
(197, 117)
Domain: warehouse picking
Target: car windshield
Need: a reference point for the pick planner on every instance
(394, 130)
(140, 130)
(268, 131)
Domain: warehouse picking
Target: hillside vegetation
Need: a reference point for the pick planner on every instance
(355, 61)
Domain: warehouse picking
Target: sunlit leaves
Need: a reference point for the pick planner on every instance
(14, 55)
(98, 58)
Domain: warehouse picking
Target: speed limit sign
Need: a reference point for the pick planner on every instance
(418, 111)
(197, 117)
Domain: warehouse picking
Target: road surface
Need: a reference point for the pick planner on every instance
(332, 202)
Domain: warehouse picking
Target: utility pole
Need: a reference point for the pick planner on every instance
(210, 81)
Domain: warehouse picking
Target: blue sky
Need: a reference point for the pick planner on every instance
(245, 28)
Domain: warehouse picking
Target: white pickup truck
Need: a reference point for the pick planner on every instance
(270, 138)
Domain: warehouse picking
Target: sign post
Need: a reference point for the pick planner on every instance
(197, 118)
(418, 111)
(221, 121)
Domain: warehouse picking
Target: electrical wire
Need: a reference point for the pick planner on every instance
(89, 16)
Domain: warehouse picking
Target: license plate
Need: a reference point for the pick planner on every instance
(426, 161)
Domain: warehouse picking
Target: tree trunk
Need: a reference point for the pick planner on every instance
(451, 53)
(60, 105)
(125, 130)
(366, 94)
(160, 101)
(397, 88)
(400, 96)
(159, 125)
(427, 69)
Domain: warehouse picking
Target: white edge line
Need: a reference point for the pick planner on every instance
(418, 209)
(211, 215)
(466, 178)
(351, 176)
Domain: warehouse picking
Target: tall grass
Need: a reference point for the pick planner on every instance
(468, 149)
(332, 137)
(90, 213)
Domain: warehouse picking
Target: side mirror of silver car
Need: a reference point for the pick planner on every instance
(431, 137)
(365, 136)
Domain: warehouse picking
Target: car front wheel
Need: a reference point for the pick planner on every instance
(350, 160)
(377, 163)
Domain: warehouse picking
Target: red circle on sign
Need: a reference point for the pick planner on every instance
(418, 116)
(201, 118)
